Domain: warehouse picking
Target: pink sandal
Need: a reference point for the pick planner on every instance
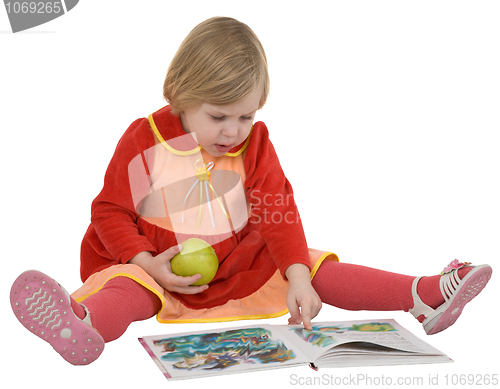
(44, 307)
(456, 292)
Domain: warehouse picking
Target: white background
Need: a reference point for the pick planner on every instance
(385, 115)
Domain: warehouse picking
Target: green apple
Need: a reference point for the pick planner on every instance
(196, 257)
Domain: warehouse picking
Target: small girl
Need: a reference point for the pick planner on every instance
(200, 167)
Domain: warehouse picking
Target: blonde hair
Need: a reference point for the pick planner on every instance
(220, 62)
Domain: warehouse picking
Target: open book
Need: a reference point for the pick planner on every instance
(329, 344)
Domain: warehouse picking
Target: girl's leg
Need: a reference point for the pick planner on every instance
(355, 287)
(119, 303)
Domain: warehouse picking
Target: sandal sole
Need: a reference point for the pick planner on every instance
(44, 308)
(473, 283)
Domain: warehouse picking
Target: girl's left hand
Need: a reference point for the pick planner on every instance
(302, 300)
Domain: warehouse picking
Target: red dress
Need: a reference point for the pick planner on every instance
(151, 201)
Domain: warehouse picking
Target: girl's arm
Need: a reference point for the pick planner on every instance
(113, 216)
(273, 206)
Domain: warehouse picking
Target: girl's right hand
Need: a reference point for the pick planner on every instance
(159, 268)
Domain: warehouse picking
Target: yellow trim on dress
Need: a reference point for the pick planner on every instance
(162, 299)
(84, 293)
(320, 261)
(196, 149)
(136, 279)
(164, 142)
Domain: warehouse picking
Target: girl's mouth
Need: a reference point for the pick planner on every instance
(223, 148)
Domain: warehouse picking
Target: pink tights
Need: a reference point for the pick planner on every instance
(122, 301)
(355, 287)
(119, 303)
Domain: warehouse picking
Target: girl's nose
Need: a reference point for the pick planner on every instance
(230, 130)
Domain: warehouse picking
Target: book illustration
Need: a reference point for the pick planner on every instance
(253, 348)
(323, 336)
(221, 350)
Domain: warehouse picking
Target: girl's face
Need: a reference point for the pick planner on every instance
(219, 128)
